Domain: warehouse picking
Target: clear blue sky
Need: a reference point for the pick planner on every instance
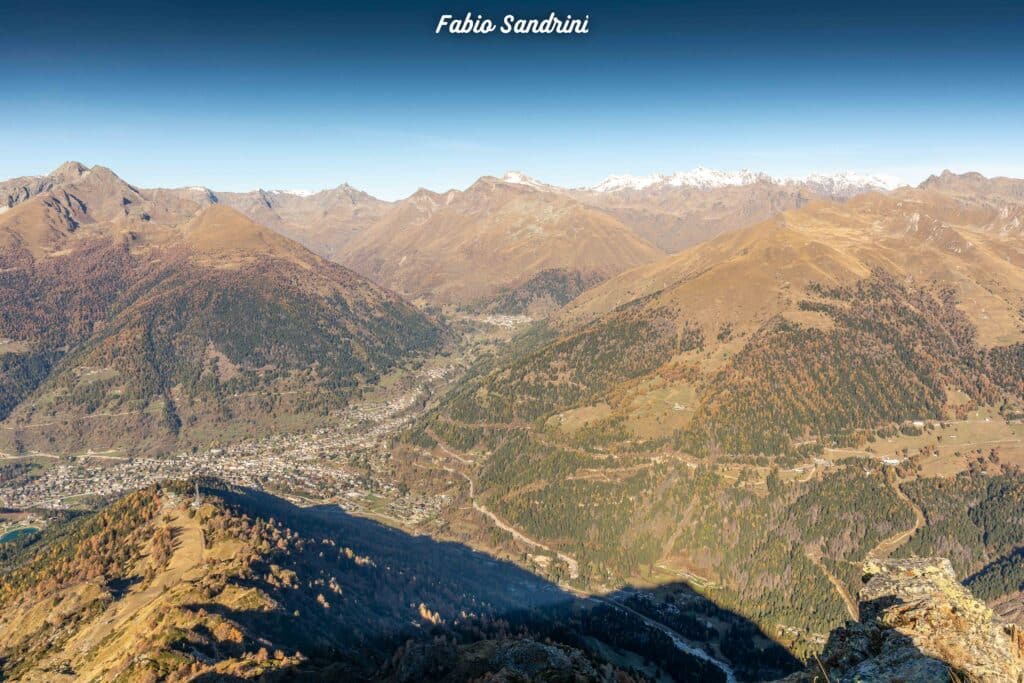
(308, 95)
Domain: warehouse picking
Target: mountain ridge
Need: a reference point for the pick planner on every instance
(200, 579)
(842, 183)
(161, 311)
(462, 247)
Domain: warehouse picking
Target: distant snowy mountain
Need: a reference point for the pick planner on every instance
(519, 178)
(677, 210)
(838, 184)
(704, 178)
(847, 182)
(294, 193)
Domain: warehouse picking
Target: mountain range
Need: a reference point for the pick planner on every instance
(525, 235)
(826, 320)
(764, 409)
(467, 247)
(840, 185)
(685, 208)
(762, 294)
(322, 221)
(165, 315)
(685, 412)
(515, 226)
(124, 258)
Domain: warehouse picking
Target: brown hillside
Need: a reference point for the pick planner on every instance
(238, 585)
(158, 323)
(676, 216)
(222, 236)
(745, 278)
(463, 247)
(323, 222)
(815, 327)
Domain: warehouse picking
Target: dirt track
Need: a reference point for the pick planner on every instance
(889, 545)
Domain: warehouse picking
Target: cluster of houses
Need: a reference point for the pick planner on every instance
(346, 463)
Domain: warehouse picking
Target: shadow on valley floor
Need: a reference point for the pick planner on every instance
(363, 601)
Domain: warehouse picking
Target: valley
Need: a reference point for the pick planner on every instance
(351, 464)
(344, 462)
(691, 454)
(688, 348)
(534, 539)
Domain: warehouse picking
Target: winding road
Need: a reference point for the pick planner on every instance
(851, 606)
(677, 640)
(884, 548)
(574, 567)
(889, 545)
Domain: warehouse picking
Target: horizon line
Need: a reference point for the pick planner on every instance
(895, 181)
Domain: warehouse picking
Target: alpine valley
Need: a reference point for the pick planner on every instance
(701, 426)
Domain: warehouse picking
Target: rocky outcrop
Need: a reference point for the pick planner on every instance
(919, 625)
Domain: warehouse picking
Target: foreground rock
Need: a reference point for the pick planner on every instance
(919, 624)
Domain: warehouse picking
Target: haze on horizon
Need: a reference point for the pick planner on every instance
(247, 95)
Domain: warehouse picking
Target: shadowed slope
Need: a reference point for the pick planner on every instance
(237, 585)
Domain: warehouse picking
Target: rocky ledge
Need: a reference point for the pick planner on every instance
(919, 625)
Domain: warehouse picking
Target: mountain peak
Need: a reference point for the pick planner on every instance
(69, 170)
(704, 178)
(949, 178)
(105, 173)
(222, 229)
(848, 182)
(423, 193)
(520, 178)
(295, 193)
(699, 177)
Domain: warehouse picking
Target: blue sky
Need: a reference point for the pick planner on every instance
(311, 94)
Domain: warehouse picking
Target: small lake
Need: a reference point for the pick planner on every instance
(15, 534)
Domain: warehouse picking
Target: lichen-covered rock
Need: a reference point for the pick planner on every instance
(919, 625)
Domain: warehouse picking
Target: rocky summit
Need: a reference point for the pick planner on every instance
(919, 625)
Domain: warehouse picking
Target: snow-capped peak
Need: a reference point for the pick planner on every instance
(707, 178)
(701, 177)
(627, 182)
(297, 193)
(519, 178)
(849, 181)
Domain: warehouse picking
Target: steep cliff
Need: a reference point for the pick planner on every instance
(919, 625)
